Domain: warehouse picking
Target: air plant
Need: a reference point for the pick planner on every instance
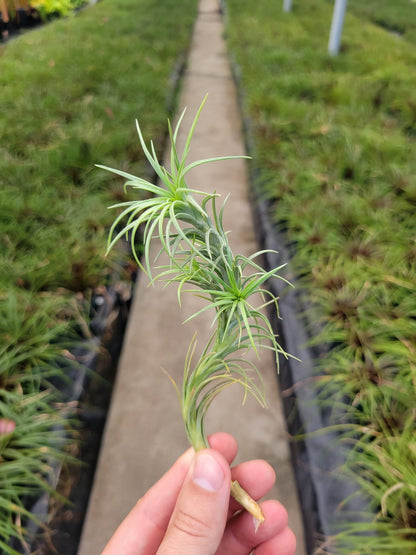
(200, 257)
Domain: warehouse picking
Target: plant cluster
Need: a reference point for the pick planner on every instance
(65, 96)
(55, 8)
(199, 255)
(398, 17)
(32, 424)
(334, 141)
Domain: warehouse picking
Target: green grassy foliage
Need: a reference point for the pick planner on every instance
(397, 16)
(334, 147)
(70, 93)
(54, 8)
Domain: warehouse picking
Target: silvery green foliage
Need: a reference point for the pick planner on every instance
(200, 256)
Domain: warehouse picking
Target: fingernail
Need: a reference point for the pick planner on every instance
(207, 472)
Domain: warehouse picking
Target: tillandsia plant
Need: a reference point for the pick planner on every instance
(199, 255)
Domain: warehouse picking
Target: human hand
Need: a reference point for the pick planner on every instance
(189, 510)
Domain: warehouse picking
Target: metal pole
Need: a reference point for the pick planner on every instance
(287, 5)
(336, 26)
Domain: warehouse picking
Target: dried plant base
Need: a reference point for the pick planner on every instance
(247, 502)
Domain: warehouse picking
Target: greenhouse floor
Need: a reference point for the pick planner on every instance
(144, 432)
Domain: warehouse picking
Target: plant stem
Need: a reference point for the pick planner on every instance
(247, 502)
(236, 491)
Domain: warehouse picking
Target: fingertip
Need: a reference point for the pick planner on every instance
(244, 530)
(256, 477)
(267, 472)
(284, 543)
(225, 443)
(276, 514)
(255, 472)
(289, 542)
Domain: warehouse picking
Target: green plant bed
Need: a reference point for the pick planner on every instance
(48, 9)
(398, 17)
(333, 141)
(70, 91)
(83, 388)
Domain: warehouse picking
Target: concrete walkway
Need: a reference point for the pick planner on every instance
(144, 432)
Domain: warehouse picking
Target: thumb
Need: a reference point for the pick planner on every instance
(198, 520)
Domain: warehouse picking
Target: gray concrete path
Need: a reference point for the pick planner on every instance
(144, 432)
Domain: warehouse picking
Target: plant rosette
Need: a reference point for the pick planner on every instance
(200, 256)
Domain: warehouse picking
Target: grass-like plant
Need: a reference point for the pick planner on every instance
(397, 17)
(32, 447)
(53, 224)
(199, 255)
(35, 428)
(344, 193)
